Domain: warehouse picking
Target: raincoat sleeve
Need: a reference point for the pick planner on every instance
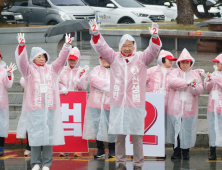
(149, 74)
(198, 90)
(151, 52)
(218, 80)
(21, 58)
(82, 83)
(59, 63)
(7, 83)
(22, 82)
(98, 82)
(208, 84)
(104, 50)
(175, 82)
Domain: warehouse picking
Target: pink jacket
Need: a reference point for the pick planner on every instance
(35, 75)
(22, 82)
(99, 88)
(182, 97)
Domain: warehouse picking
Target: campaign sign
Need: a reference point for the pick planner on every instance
(73, 107)
(154, 127)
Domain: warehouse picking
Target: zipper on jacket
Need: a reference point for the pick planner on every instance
(70, 80)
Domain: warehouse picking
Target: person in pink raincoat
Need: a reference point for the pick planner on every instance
(96, 122)
(41, 114)
(6, 81)
(157, 77)
(72, 79)
(213, 84)
(182, 111)
(127, 90)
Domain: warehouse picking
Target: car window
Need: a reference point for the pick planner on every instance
(152, 2)
(21, 3)
(103, 3)
(129, 3)
(91, 2)
(68, 2)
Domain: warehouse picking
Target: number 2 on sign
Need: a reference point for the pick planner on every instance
(94, 27)
(154, 32)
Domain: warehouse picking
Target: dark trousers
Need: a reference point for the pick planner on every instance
(100, 145)
(27, 146)
(177, 150)
(2, 141)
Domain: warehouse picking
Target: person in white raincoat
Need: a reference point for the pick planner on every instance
(157, 77)
(185, 87)
(72, 79)
(6, 81)
(96, 122)
(213, 84)
(41, 114)
(127, 90)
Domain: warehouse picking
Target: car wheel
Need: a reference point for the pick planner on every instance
(126, 21)
(52, 23)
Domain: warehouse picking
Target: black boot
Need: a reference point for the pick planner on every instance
(185, 153)
(213, 155)
(177, 150)
(111, 150)
(101, 152)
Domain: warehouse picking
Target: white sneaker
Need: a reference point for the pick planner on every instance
(36, 167)
(45, 168)
(27, 153)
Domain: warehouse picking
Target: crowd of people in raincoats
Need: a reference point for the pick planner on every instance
(116, 102)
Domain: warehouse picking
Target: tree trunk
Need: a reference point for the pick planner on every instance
(185, 12)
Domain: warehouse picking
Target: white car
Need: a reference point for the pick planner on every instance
(168, 8)
(124, 11)
(214, 11)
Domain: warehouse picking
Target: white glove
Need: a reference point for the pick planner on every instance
(81, 70)
(201, 72)
(208, 76)
(21, 39)
(94, 26)
(192, 82)
(68, 39)
(10, 69)
(65, 90)
(154, 30)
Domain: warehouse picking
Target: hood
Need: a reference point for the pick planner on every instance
(36, 51)
(219, 57)
(2, 63)
(75, 51)
(76, 10)
(145, 10)
(185, 55)
(162, 54)
(123, 40)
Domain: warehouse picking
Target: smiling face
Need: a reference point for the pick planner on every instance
(72, 62)
(40, 60)
(168, 63)
(219, 66)
(128, 47)
(185, 65)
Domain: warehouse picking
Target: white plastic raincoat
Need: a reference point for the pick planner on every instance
(41, 114)
(4, 106)
(96, 122)
(128, 85)
(214, 108)
(182, 108)
(157, 80)
(69, 77)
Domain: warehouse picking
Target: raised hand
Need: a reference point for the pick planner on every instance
(11, 68)
(208, 76)
(201, 72)
(21, 38)
(154, 30)
(68, 39)
(94, 26)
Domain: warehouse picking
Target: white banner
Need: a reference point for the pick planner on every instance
(154, 138)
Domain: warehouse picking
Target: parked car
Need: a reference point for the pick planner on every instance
(214, 11)
(168, 8)
(52, 12)
(124, 11)
(12, 18)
